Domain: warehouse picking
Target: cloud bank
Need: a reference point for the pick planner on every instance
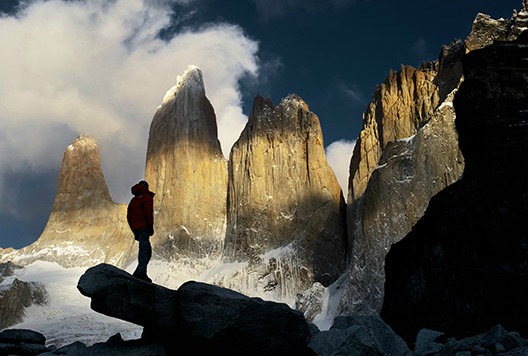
(99, 68)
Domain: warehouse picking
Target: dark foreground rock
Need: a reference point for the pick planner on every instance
(197, 316)
(21, 342)
(359, 335)
(203, 319)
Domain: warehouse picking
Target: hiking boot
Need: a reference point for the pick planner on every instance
(142, 276)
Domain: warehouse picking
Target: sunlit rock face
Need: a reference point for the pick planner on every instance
(486, 30)
(286, 211)
(463, 267)
(186, 169)
(406, 153)
(85, 225)
(399, 107)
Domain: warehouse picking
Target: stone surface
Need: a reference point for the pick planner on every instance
(116, 293)
(187, 170)
(16, 297)
(399, 107)
(406, 153)
(197, 316)
(85, 226)
(22, 342)
(495, 341)
(486, 30)
(359, 335)
(462, 268)
(284, 198)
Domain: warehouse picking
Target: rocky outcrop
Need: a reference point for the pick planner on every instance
(22, 342)
(208, 319)
(188, 172)
(198, 316)
(16, 295)
(400, 106)
(497, 341)
(286, 211)
(406, 153)
(462, 268)
(85, 226)
(359, 335)
(486, 30)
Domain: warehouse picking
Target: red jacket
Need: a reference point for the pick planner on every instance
(140, 212)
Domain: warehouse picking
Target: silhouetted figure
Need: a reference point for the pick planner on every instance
(140, 217)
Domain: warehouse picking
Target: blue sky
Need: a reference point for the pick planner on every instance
(102, 67)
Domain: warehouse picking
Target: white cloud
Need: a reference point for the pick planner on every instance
(338, 154)
(97, 67)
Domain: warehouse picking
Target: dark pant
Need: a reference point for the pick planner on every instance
(145, 250)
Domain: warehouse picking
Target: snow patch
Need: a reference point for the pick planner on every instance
(67, 317)
(333, 294)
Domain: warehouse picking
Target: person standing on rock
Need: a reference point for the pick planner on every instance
(140, 217)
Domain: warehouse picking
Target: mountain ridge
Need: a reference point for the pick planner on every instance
(409, 144)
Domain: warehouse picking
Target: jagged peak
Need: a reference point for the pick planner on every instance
(294, 99)
(74, 187)
(83, 140)
(191, 79)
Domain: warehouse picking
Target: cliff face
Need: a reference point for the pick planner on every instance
(285, 207)
(463, 266)
(406, 153)
(401, 105)
(486, 30)
(85, 226)
(186, 169)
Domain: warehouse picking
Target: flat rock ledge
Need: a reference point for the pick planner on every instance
(198, 316)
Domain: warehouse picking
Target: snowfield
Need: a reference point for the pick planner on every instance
(67, 316)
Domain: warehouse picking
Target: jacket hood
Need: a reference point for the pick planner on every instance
(139, 189)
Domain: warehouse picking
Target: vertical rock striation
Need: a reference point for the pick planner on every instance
(85, 225)
(186, 169)
(406, 153)
(286, 211)
(463, 268)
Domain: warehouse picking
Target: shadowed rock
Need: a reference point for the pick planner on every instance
(463, 268)
(204, 317)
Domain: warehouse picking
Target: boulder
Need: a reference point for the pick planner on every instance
(116, 293)
(198, 316)
(22, 342)
(495, 341)
(359, 335)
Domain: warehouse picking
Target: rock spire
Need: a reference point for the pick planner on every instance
(284, 197)
(85, 226)
(187, 170)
